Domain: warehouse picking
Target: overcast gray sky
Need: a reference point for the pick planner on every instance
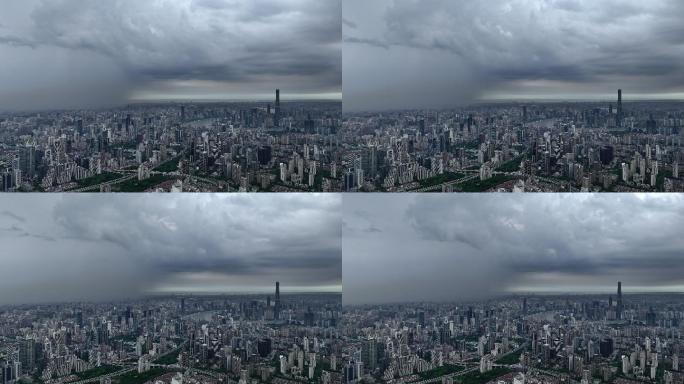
(83, 53)
(95, 247)
(441, 53)
(447, 247)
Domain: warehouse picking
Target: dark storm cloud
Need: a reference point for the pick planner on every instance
(348, 23)
(371, 42)
(13, 216)
(163, 48)
(512, 48)
(451, 247)
(17, 41)
(112, 246)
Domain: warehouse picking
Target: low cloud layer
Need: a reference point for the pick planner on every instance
(96, 247)
(116, 51)
(455, 247)
(509, 49)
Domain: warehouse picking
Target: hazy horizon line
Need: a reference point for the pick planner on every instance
(138, 103)
(510, 101)
(513, 295)
(162, 296)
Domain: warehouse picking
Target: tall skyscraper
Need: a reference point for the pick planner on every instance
(276, 120)
(349, 180)
(606, 154)
(264, 347)
(27, 354)
(369, 354)
(373, 160)
(27, 160)
(618, 117)
(619, 300)
(276, 309)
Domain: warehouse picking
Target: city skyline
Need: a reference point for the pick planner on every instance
(170, 340)
(446, 248)
(95, 248)
(341, 192)
(624, 339)
(403, 54)
(72, 54)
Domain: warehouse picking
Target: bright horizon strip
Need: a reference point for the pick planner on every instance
(529, 291)
(598, 290)
(586, 97)
(245, 290)
(219, 98)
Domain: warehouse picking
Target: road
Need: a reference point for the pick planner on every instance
(181, 345)
(439, 187)
(96, 187)
(109, 375)
(133, 368)
(184, 175)
(452, 375)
